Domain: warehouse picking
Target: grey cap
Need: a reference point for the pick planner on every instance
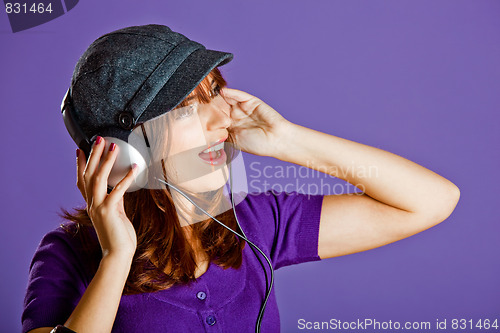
(135, 74)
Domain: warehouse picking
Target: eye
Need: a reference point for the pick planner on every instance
(185, 111)
(215, 91)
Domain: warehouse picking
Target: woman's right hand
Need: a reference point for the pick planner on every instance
(116, 233)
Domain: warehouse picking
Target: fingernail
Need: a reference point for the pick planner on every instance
(134, 168)
(98, 140)
(77, 152)
(112, 146)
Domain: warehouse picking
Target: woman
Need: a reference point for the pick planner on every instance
(147, 260)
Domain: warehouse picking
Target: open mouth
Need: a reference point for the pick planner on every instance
(214, 155)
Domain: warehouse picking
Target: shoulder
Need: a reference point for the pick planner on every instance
(279, 207)
(61, 270)
(68, 247)
(68, 234)
(286, 224)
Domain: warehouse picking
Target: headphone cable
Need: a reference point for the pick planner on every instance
(252, 245)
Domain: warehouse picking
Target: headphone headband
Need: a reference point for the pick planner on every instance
(75, 131)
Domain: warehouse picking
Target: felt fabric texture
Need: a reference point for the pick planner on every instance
(284, 225)
(134, 74)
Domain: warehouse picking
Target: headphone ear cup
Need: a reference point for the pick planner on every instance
(128, 154)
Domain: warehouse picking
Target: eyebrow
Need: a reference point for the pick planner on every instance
(190, 98)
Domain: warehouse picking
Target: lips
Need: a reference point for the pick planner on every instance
(214, 154)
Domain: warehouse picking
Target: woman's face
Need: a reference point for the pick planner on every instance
(197, 134)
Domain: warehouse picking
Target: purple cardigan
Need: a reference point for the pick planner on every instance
(285, 226)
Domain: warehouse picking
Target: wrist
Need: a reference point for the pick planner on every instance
(117, 260)
(285, 143)
(61, 329)
(119, 252)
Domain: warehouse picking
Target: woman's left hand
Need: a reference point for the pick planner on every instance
(257, 127)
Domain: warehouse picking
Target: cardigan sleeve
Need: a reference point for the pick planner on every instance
(285, 224)
(57, 281)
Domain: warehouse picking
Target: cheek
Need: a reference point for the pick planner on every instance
(186, 137)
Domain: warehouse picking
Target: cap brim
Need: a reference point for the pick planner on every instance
(185, 79)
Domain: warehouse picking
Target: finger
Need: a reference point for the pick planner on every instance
(80, 167)
(230, 101)
(236, 96)
(120, 188)
(100, 184)
(95, 155)
(92, 164)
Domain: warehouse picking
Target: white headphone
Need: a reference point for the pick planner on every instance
(136, 151)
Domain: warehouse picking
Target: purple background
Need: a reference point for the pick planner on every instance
(418, 78)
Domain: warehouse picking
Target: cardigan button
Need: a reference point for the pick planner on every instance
(210, 320)
(201, 295)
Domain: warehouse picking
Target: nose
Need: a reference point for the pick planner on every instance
(220, 115)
